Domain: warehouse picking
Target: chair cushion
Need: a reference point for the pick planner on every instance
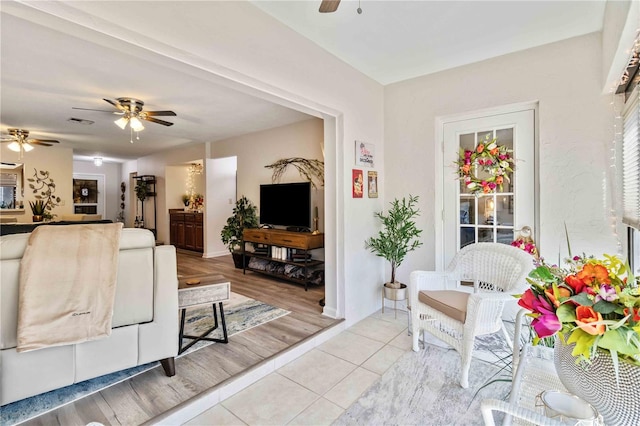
(451, 303)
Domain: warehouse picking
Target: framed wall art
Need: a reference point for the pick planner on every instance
(357, 183)
(372, 179)
(365, 154)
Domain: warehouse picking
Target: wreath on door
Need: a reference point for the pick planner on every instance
(493, 159)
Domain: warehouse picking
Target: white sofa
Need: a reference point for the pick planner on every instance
(144, 328)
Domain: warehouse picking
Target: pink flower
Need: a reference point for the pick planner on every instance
(607, 293)
(546, 325)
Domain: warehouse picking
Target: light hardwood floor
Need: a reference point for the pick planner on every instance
(149, 394)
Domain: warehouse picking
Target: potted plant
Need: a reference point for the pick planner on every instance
(141, 190)
(38, 210)
(398, 236)
(186, 198)
(244, 216)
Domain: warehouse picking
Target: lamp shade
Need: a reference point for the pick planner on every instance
(136, 124)
(122, 122)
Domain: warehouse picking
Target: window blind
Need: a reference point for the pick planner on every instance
(8, 179)
(631, 162)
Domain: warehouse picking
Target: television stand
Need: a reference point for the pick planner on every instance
(302, 242)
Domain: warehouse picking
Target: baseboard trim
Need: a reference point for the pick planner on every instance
(215, 254)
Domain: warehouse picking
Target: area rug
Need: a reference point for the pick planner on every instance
(422, 388)
(241, 314)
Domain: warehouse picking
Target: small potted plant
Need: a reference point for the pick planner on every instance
(141, 190)
(398, 236)
(38, 210)
(186, 198)
(244, 216)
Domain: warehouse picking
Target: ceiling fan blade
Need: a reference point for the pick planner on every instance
(159, 113)
(115, 104)
(328, 6)
(43, 140)
(35, 142)
(9, 139)
(155, 120)
(99, 110)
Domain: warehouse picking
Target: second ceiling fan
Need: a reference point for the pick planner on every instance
(132, 113)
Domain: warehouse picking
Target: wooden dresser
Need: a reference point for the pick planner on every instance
(186, 230)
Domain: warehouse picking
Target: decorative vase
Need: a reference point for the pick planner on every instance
(37, 218)
(618, 403)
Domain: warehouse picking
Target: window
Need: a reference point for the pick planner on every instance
(10, 185)
(631, 177)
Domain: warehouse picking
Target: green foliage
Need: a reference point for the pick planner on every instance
(308, 169)
(399, 234)
(141, 190)
(244, 216)
(37, 207)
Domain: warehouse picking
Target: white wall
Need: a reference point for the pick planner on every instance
(575, 138)
(176, 184)
(219, 201)
(129, 167)
(256, 150)
(112, 173)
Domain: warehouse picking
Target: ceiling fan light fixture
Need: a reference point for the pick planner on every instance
(136, 124)
(122, 122)
(27, 147)
(14, 146)
(97, 161)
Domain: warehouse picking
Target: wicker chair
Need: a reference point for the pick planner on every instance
(456, 317)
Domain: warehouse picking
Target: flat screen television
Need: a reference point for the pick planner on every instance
(286, 204)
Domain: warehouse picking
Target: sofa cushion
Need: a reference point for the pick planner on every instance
(134, 289)
(451, 303)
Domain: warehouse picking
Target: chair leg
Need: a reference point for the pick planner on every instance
(465, 356)
(415, 336)
(506, 336)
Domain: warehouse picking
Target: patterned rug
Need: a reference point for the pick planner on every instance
(422, 388)
(241, 314)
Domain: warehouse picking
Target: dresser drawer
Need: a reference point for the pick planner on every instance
(289, 240)
(256, 236)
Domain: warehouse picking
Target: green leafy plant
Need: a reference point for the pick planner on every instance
(185, 199)
(37, 207)
(244, 216)
(399, 234)
(141, 190)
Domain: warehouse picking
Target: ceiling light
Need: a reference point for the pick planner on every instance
(26, 147)
(14, 146)
(136, 124)
(122, 122)
(97, 161)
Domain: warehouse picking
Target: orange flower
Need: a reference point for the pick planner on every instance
(480, 148)
(486, 189)
(499, 180)
(494, 151)
(591, 273)
(466, 168)
(585, 316)
(562, 293)
(636, 313)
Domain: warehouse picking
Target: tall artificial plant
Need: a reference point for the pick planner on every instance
(399, 234)
(245, 215)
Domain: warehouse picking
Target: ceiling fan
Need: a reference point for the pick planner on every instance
(328, 6)
(131, 111)
(19, 142)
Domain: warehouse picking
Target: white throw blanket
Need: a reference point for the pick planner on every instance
(67, 285)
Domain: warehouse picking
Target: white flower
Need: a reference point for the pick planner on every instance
(471, 185)
(504, 164)
(491, 146)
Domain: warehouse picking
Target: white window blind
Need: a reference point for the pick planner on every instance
(631, 162)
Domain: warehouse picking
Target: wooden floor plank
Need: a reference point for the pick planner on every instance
(151, 393)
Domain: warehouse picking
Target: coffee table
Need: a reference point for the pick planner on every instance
(210, 289)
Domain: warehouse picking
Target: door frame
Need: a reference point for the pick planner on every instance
(439, 170)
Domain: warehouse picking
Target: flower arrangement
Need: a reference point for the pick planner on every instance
(528, 246)
(495, 160)
(595, 302)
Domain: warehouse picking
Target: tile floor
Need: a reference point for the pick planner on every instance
(317, 387)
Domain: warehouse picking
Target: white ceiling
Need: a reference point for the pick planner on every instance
(46, 72)
(395, 40)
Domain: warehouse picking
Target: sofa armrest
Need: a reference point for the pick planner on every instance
(159, 338)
